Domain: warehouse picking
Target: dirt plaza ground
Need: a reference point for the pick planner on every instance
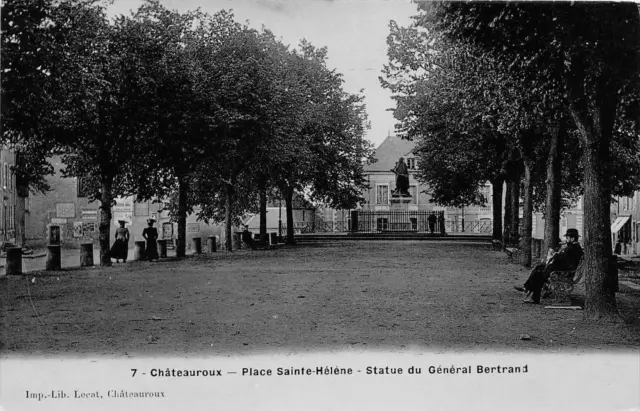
(347, 295)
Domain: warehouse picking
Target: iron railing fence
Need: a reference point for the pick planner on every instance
(398, 221)
(418, 221)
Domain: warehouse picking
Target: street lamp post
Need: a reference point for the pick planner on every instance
(280, 221)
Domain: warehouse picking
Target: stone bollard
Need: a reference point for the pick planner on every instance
(211, 245)
(138, 251)
(196, 244)
(54, 258)
(273, 238)
(162, 248)
(14, 261)
(86, 255)
(237, 241)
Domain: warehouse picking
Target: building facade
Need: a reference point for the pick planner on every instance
(381, 181)
(68, 207)
(624, 216)
(8, 217)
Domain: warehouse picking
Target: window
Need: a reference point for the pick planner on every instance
(141, 209)
(382, 224)
(12, 217)
(82, 187)
(486, 193)
(413, 190)
(411, 163)
(382, 194)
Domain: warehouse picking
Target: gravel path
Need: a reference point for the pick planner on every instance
(363, 295)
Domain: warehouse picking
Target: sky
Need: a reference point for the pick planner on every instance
(354, 31)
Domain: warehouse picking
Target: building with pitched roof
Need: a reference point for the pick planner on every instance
(381, 182)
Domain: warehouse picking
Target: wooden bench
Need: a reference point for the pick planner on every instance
(561, 285)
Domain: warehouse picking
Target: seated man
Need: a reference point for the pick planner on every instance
(567, 259)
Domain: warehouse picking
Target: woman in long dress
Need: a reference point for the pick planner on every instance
(120, 247)
(150, 234)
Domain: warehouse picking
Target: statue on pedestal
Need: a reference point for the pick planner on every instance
(402, 179)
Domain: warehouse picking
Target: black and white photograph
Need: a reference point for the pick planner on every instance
(319, 205)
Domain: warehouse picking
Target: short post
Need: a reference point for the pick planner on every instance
(138, 250)
(86, 255)
(54, 258)
(273, 238)
(237, 241)
(211, 244)
(196, 244)
(162, 248)
(14, 261)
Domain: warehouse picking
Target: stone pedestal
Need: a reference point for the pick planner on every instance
(54, 258)
(400, 203)
(211, 245)
(162, 248)
(86, 255)
(399, 222)
(14, 261)
(138, 250)
(196, 244)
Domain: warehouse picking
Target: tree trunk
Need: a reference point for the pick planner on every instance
(596, 132)
(228, 219)
(264, 237)
(497, 207)
(106, 201)
(554, 190)
(21, 235)
(183, 190)
(525, 241)
(515, 209)
(289, 202)
(507, 215)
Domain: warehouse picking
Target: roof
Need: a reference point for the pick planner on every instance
(389, 152)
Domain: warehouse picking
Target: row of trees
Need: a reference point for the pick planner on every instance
(197, 108)
(544, 98)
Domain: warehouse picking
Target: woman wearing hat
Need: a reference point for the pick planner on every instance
(120, 247)
(150, 234)
(567, 259)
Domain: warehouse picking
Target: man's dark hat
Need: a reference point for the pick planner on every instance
(572, 232)
(122, 221)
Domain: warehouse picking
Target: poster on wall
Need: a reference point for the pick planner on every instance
(127, 216)
(65, 210)
(193, 227)
(88, 228)
(89, 214)
(77, 229)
